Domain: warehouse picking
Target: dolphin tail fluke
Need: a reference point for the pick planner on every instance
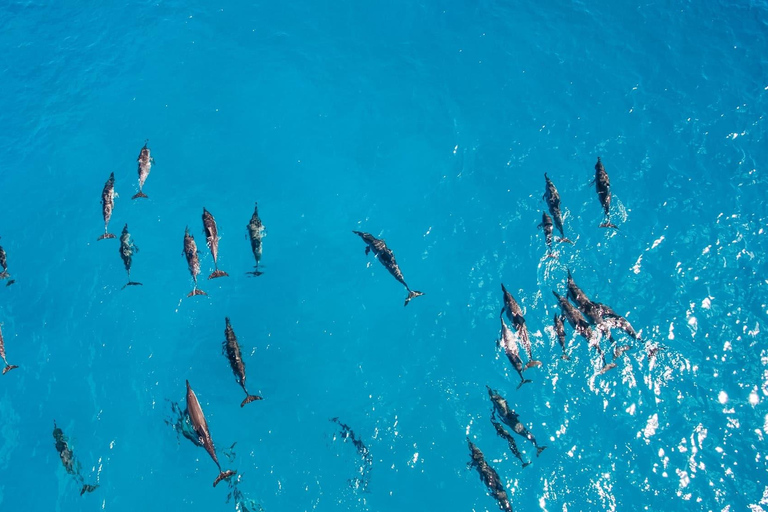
(4, 274)
(223, 476)
(609, 366)
(105, 235)
(526, 464)
(609, 224)
(412, 294)
(249, 399)
(88, 488)
(255, 273)
(565, 357)
(619, 351)
(132, 283)
(532, 363)
(140, 194)
(540, 449)
(196, 291)
(9, 367)
(9, 283)
(564, 240)
(524, 381)
(217, 273)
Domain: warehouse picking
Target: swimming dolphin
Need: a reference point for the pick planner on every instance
(67, 456)
(4, 265)
(8, 367)
(387, 258)
(203, 434)
(502, 433)
(212, 239)
(127, 250)
(580, 325)
(510, 417)
(193, 262)
(362, 450)
(145, 165)
(603, 188)
(508, 343)
(552, 198)
(256, 232)
(489, 477)
(107, 205)
(560, 332)
(231, 349)
(515, 315)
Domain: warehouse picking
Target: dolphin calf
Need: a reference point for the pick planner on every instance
(502, 433)
(145, 165)
(387, 258)
(510, 417)
(212, 240)
(127, 250)
(231, 349)
(8, 367)
(603, 188)
(515, 315)
(489, 477)
(203, 434)
(256, 232)
(107, 205)
(546, 226)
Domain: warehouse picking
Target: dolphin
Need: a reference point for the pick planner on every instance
(552, 198)
(515, 315)
(502, 433)
(231, 349)
(603, 188)
(193, 261)
(560, 332)
(67, 456)
(203, 434)
(489, 477)
(145, 165)
(107, 205)
(4, 265)
(508, 343)
(387, 258)
(510, 417)
(8, 367)
(212, 240)
(127, 250)
(580, 325)
(256, 232)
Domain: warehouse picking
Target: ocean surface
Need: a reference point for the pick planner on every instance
(428, 124)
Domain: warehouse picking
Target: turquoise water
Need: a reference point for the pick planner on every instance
(428, 124)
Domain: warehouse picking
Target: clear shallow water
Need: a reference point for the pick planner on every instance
(432, 126)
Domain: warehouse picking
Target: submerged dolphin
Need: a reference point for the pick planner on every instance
(211, 231)
(552, 198)
(508, 343)
(8, 367)
(193, 261)
(127, 250)
(510, 417)
(515, 314)
(256, 232)
(145, 165)
(203, 434)
(387, 258)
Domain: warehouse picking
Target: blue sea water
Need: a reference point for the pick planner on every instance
(431, 125)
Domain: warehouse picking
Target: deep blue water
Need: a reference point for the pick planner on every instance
(430, 124)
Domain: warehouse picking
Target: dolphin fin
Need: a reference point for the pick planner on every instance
(132, 283)
(4, 274)
(608, 224)
(88, 488)
(412, 294)
(609, 366)
(367, 249)
(140, 194)
(564, 240)
(9, 367)
(217, 273)
(223, 476)
(540, 449)
(196, 291)
(249, 399)
(525, 464)
(565, 357)
(524, 381)
(105, 235)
